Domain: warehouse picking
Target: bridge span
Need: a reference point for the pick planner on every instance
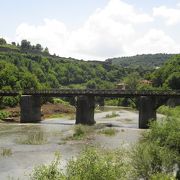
(149, 101)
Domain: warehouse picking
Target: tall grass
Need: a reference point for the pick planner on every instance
(109, 131)
(81, 132)
(6, 152)
(34, 138)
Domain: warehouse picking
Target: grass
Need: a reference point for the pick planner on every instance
(63, 115)
(72, 117)
(112, 115)
(34, 138)
(5, 152)
(80, 132)
(109, 132)
(57, 115)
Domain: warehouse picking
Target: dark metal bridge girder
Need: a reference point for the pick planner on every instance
(92, 92)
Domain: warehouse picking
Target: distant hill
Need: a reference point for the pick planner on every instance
(146, 61)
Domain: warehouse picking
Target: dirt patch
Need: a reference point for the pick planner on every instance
(46, 109)
(49, 109)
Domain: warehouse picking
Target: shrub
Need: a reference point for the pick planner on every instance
(150, 158)
(60, 101)
(162, 176)
(168, 111)
(91, 164)
(4, 114)
(98, 164)
(48, 172)
(80, 132)
(165, 133)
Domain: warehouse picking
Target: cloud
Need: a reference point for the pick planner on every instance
(154, 41)
(116, 30)
(170, 15)
(51, 33)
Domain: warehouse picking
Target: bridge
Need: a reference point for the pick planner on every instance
(149, 101)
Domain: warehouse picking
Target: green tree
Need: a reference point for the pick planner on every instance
(25, 45)
(46, 51)
(132, 80)
(2, 41)
(173, 81)
(38, 47)
(29, 81)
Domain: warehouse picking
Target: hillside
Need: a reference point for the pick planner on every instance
(146, 61)
(168, 76)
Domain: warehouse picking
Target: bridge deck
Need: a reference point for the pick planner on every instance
(92, 92)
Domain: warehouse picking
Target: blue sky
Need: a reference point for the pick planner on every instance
(94, 29)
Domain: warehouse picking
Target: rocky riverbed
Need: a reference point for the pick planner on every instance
(24, 146)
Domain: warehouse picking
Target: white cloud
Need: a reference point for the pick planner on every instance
(116, 30)
(154, 41)
(171, 15)
(51, 33)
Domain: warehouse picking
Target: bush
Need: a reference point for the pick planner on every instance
(80, 132)
(98, 164)
(162, 176)
(168, 111)
(60, 101)
(4, 114)
(166, 133)
(150, 158)
(91, 164)
(112, 102)
(48, 172)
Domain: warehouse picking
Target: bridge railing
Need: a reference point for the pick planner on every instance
(89, 92)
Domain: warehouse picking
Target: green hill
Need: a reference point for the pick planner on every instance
(146, 61)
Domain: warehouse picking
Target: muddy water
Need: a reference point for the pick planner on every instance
(53, 132)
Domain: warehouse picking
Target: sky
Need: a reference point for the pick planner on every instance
(94, 29)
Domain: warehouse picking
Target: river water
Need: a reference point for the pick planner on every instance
(25, 157)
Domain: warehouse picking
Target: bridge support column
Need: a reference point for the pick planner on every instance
(85, 110)
(147, 111)
(30, 109)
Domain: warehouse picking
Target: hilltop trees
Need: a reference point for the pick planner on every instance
(27, 47)
(2, 41)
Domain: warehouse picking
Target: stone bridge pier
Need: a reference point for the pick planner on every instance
(30, 109)
(85, 110)
(147, 111)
